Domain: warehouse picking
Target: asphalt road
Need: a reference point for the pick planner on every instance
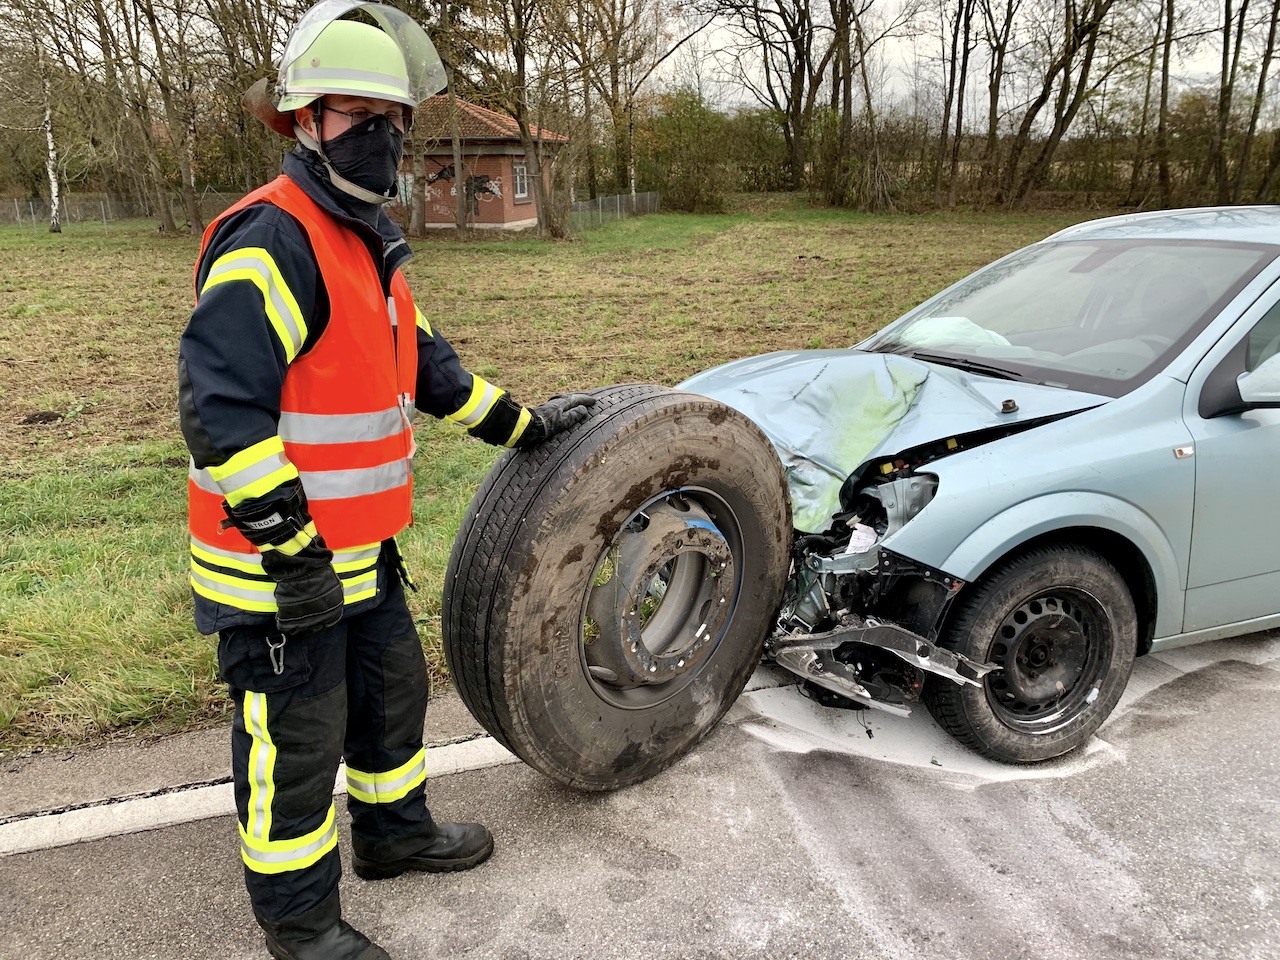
(788, 833)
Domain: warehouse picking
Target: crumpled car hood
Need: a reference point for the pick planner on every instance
(830, 411)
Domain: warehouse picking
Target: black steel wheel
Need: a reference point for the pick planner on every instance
(609, 592)
(1060, 623)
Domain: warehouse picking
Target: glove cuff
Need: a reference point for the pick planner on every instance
(505, 425)
(281, 523)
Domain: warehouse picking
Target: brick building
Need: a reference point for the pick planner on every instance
(495, 169)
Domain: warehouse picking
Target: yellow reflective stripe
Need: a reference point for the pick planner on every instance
(263, 486)
(262, 768)
(361, 587)
(248, 457)
(256, 265)
(254, 471)
(521, 423)
(215, 587)
(422, 321)
(260, 596)
(245, 563)
(347, 560)
(483, 396)
(389, 786)
(295, 544)
(282, 856)
(255, 586)
(356, 558)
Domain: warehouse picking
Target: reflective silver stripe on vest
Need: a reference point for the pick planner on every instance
(340, 484)
(285, 312)
(203, 479)
(254, 559)
(287, 856)
(482, 408)
(266, 593)
(336, 73)
(333, 484)
(354, 556)
(353, 583)
(340, 427)
(357, 555)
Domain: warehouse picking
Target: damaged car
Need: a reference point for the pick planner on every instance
(988, 509)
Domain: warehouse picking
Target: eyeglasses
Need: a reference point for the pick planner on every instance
(397, 118)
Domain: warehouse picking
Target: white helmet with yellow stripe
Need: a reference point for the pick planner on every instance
(390, 58)
(352, 48)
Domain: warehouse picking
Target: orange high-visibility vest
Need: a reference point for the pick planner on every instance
(346, 408)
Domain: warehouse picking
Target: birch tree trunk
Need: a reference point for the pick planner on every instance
(51, 147)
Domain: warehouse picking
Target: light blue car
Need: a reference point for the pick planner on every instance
(1065, 460)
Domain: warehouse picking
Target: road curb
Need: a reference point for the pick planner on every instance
(114, 817)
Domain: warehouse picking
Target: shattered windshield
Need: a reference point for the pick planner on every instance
(1101, 316)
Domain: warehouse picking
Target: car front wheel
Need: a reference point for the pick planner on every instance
(1061, 625)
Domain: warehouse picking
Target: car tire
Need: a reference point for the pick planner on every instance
(1061, 624)
(609, 591)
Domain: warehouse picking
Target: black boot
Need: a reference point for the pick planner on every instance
(339, 942)
(449, 846)
(319, 934)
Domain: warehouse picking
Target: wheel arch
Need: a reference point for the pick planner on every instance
(1124, 554)
(1117, 530)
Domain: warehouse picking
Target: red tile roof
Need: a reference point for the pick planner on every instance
(474, 123)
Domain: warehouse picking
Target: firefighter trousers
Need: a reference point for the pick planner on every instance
(357, 690)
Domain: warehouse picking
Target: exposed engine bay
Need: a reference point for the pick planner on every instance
(859, 623)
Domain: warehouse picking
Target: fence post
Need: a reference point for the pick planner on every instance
(17, 211)
(103, 207)
(31, 209)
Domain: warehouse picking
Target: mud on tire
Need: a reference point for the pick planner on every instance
(609, 592)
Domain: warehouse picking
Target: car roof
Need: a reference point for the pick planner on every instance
(1256, 224)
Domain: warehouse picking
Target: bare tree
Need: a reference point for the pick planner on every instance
(794, 49)
(1255, 111)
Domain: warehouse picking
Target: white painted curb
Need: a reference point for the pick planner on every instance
(114, 818)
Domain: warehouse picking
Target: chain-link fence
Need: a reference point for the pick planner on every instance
(103, 210)
(591, 213)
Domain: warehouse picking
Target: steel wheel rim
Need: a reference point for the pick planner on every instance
(661, 598)
(1053, 649)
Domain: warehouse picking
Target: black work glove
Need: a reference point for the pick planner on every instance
(555, 416)
(294, 555)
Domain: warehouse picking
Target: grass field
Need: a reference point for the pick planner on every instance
(95, 629)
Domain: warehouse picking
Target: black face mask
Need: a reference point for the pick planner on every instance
(368, 155)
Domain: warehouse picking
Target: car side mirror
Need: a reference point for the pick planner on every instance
(1260, 387)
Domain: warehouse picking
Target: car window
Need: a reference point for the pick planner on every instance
(1264, 338)
(1101, 316)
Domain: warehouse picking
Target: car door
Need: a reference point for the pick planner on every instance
(1234, 569)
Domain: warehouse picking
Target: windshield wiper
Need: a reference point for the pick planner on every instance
(973, 366)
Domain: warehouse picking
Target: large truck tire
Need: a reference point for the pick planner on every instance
(609, 591)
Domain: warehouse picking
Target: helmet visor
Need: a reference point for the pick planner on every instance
(426, 72)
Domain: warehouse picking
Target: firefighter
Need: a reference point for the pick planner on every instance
(299, 374)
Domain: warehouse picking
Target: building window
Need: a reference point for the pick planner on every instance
(520, 178)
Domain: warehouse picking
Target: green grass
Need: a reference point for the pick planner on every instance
(95, 629)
